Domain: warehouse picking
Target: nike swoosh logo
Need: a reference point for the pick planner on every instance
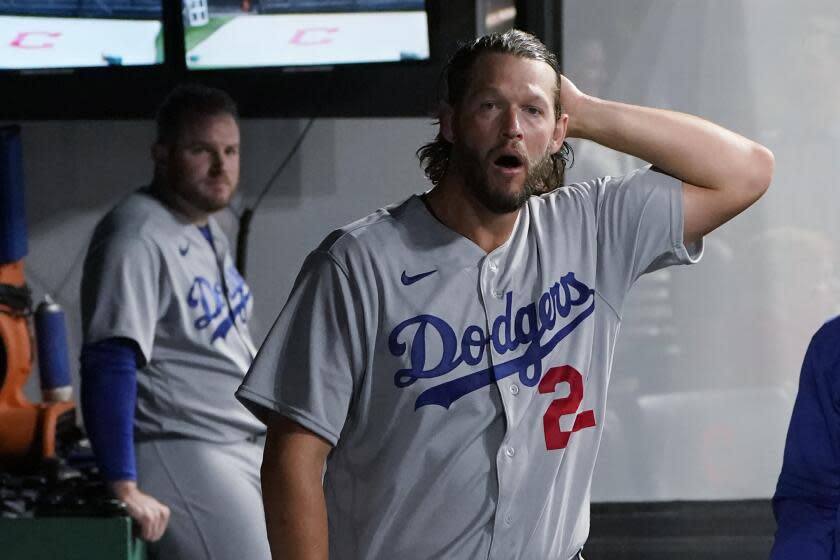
(409, 280)
(184, 250)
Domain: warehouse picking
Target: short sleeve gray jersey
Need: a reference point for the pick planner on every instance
(152, 277)
(465, 391)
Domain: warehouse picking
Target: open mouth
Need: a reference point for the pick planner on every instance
(508, 161)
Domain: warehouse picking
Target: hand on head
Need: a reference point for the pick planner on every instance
(571, 99)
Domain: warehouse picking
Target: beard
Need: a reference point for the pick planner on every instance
(199, 193)
(209, 203)
(468, 164)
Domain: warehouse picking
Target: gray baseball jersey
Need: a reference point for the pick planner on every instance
(152, 277)
(465, 391)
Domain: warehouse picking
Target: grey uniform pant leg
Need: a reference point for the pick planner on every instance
(213, 492)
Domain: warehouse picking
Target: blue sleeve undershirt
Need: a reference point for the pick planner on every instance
(807, 498)
(108, 397)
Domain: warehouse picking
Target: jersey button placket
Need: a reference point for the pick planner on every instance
(495, 306)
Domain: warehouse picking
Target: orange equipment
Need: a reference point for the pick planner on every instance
(28, 431)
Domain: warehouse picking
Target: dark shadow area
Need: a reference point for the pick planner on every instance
(708, 530)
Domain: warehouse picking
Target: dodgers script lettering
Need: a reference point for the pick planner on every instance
(527, 325)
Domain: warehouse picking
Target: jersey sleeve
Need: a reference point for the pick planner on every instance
(309, 365)
(807, 495)
(640, 229)
(121, 291)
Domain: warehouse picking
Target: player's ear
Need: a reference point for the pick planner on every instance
(561, 126)
(447, 118)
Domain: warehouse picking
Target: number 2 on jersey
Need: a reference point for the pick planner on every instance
(556, 438)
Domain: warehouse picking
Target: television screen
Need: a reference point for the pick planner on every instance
(262, 33)
(52, 34)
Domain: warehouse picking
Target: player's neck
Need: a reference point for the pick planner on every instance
(179, 204)
(454, 207)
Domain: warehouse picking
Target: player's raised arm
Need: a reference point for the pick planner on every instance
(293, 494)
(722, 172)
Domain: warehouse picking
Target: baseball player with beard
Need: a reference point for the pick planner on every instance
(447, 358)
(166, 343)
